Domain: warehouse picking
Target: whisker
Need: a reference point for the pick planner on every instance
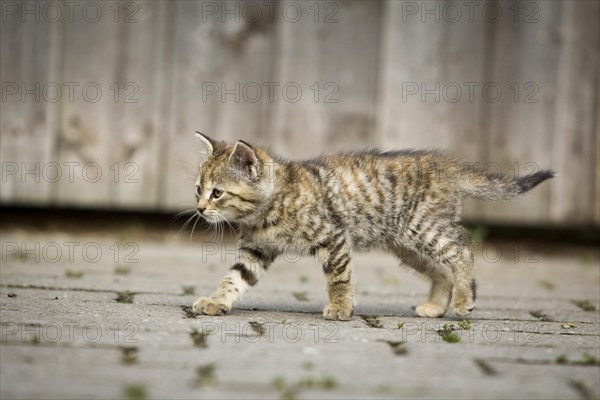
(231, 226)
(220, 231)
(222, 228)
(188, 164)
(213, 230)
(194, 226)
(179, 215)
(218, 228)
(185, 225)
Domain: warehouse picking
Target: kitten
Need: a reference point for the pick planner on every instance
(405, 202)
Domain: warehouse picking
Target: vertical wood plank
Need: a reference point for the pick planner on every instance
(212, 53)
(535, 129)
(85, 136)
(597, 145)
(30, 59)
(521, 129)
(331, 54)
(136, 117)
(575, 141)
(438, 59)
(12, 118)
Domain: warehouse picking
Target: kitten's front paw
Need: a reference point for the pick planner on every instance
(208, 306)
(337, 313)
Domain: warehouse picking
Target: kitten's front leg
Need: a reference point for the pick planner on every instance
(252, 265)
(339, 283)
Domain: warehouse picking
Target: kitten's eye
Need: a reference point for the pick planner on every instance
(216, 193)
(198, 192)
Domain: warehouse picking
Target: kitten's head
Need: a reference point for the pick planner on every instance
(233, 180)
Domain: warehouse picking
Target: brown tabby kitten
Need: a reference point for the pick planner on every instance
(405, 202)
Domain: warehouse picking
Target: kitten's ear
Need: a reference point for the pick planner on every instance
(208, 143)
(244, 160)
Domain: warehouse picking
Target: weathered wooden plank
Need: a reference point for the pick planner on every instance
(31, 94)
(597, 146)
(11, 121)
(136, 123)
(574, 144)
(521, 119)
(85, 140)
(425, 100)
(597, 143)
(330, 53)
(219, 58)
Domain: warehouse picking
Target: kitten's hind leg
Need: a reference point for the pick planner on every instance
(252, 265)
(441, 282)
(457, 254)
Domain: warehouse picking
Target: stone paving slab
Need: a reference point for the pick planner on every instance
(64, 334)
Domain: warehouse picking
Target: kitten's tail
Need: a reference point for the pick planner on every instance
(496, 187)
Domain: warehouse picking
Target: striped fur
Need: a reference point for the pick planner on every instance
(405, 202)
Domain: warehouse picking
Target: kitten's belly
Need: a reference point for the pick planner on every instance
(372, 230)
(369, 238)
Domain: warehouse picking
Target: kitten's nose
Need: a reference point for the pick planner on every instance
(201, 210)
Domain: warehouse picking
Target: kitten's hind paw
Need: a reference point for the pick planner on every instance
(430, 310)
(463, 311)
(208, 306)
(337, 313)
(463, 302)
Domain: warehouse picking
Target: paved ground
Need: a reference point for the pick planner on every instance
(81, 319)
